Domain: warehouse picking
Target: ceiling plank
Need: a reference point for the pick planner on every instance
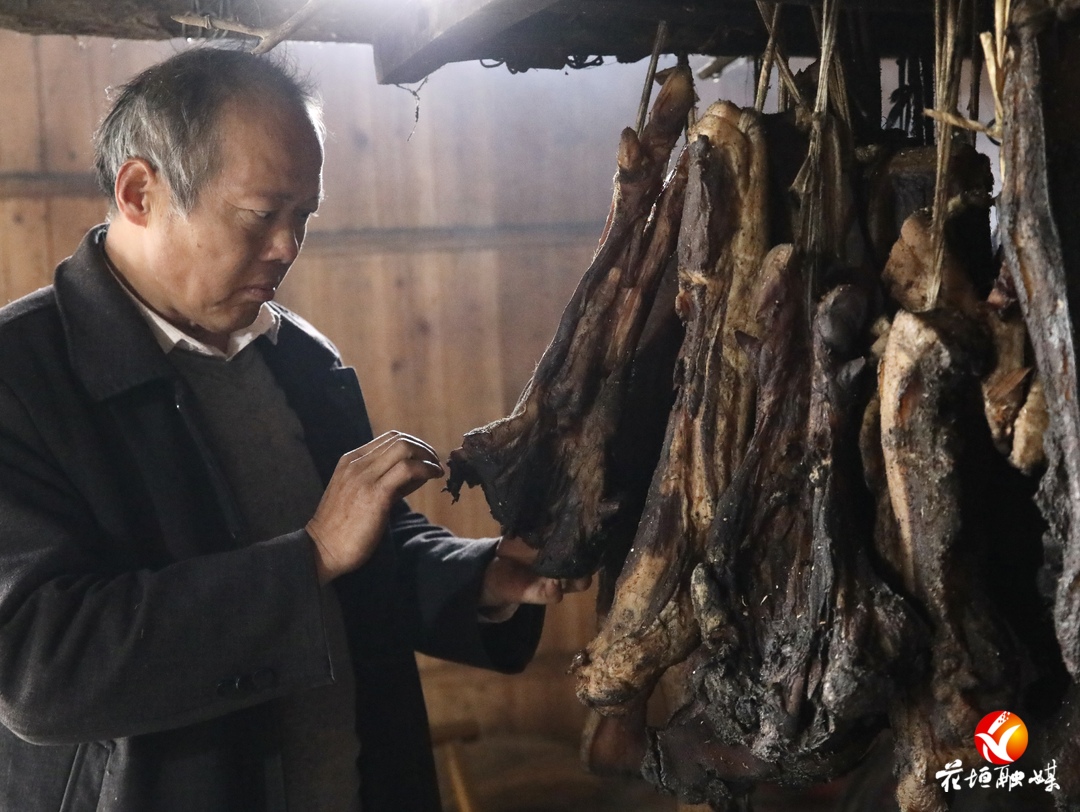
(423, 35)
(336, 21)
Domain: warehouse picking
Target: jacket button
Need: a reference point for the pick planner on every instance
(263, 679)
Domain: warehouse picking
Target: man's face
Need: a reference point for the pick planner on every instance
(213, 268)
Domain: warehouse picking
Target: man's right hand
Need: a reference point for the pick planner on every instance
(351, 518)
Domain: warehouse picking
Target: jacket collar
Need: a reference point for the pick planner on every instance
(111, 347)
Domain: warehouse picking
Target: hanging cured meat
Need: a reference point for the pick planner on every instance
(803, 642)
(650, 625)
(823, 522)
(1034, 259)
(550, 470)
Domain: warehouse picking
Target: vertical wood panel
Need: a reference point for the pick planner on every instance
(23, 247)
(36, 234)
(539, 700)
(364, 121)
(489, 147)
(69, 91)
(69, 220)
(20, 133)
(535, 290)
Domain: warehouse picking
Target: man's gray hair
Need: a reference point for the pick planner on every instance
(168, 115)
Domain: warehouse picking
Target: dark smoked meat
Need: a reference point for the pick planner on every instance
(823, 445)
(650, 625)
(639, 435)
(1033, 256)
(930, 398)
(546, 469)
(803, 643)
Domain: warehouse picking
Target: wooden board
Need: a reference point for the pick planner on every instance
(24, 259)
(419, 36)
(20, 124)
(488, 148)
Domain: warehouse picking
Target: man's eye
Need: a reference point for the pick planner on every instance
(262, 215)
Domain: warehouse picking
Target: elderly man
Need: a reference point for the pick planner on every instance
(210, 587)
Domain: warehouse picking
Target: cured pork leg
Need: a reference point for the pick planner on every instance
(930, 402)
(545, 468)
(802, 641)
(721, 244)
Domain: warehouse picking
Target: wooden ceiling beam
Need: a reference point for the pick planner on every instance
(413, 38)
(423, 35)
(336, 21)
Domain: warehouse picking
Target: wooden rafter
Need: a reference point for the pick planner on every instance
(423, 35)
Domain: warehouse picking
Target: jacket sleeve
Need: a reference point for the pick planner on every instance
(441, 575)
(92, 649)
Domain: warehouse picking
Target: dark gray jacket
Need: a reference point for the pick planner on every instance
(140, 646)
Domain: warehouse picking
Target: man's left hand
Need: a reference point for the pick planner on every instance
(511, 581)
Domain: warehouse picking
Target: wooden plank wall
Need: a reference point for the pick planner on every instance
(439, 263)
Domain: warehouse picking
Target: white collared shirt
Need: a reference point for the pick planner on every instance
(170, 337)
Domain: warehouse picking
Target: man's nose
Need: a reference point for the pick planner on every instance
(284, 243)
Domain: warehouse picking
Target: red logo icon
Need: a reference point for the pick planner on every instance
(1001, 737)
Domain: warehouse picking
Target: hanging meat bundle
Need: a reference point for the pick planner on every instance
(650, 625)
(827, 526)
(553, 471)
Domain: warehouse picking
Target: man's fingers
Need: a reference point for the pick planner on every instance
(515, 549)
(389, 439)
(575, 584)
(351, 517)
(377, 463)
(382, 441)
(507, 581)
(542, 591)
(512, 576)
(418, 445)
(401, 445)
(408, 475)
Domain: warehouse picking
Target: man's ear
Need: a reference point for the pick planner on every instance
(139, 190)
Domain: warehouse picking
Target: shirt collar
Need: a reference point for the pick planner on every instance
(170, 337)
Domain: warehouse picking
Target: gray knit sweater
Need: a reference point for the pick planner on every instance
(259, 443)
